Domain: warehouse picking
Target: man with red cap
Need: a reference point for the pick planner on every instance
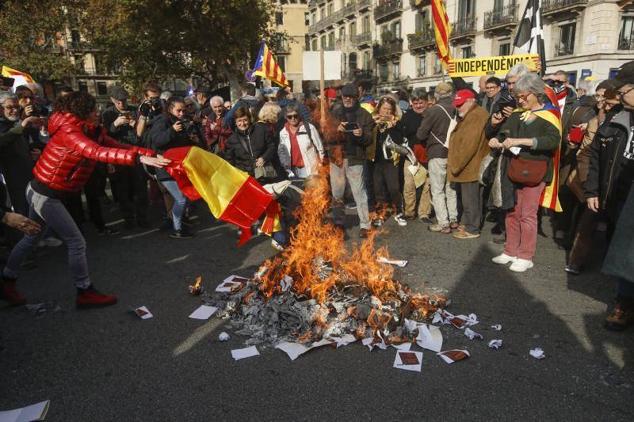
(468, 145)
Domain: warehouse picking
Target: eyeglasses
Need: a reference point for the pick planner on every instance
(622, 94)
(491, 87)
(10, 107)
(523, 97)
(292, 116)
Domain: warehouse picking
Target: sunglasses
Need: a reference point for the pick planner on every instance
(292, 116)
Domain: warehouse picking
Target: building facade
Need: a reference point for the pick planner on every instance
(392, 41)
(290, 20)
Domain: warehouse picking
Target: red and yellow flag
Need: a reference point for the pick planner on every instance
(442, 29)
(231, 194)
(20, 77)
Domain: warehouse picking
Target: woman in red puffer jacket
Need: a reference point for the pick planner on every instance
(76, 144)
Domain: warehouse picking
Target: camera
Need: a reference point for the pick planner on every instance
(151, 107)
(505, 100)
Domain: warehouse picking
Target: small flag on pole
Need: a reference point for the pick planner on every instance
(442, 29)
(530, 33)
(267, 67)
(20, 78)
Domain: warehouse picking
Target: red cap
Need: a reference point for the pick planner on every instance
(462, 96)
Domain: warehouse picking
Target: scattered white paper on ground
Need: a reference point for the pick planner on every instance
(203, 312)
(398, 262)
(322, 342)
(34, 412)
(451, 356)
(472, 335)
(143, 312)
(495, 344)
(429, 337)
(411, 326)
(344, 341)
(462, 321)
(408, 361)
(497, 327)
(231, 284)
(293, 350)
(405, 347)
(537, 353)
(368, 342)
(223, 336)
(247, 352)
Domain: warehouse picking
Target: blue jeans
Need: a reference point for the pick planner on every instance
(354, 174)
(51, 214)
(180, 202)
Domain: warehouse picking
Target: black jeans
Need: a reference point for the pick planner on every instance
(132, 193)
(386, 184)
(471, 198)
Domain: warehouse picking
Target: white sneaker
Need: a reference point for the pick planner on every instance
(400, 220)
(503, 259)
(521, 265)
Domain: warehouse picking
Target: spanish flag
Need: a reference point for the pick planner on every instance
(550, 195)
(442, 29)
(267, 67)
(231, 194)
(20, 77)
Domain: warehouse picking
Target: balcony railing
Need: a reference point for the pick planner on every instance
(388, 48)
(552, 7)
(362, 39)
(465, 27)
(626, 43)
(387, 8)
(348, 10)
(422, 39)
(363, 4)
(504, 17)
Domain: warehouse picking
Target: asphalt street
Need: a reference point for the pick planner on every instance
(108, 365)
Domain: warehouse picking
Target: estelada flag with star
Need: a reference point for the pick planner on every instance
(231, 194)
(267, 67)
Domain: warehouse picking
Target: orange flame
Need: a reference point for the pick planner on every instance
(316, 258)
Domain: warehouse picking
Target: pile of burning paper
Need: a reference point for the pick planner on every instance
(316, 293)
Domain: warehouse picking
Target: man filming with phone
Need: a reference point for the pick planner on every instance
(355, 132)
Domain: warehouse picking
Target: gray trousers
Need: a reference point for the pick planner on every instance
(443, 196)
(52, 213)
(471, 196)
(354, 175)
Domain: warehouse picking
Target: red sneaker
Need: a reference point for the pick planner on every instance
(91, 298)
(10, 293)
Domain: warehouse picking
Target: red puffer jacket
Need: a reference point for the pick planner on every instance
(70, 156)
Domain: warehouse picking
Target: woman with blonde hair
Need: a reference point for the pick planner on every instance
(386, 174)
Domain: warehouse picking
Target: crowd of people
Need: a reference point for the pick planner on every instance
(519, 152)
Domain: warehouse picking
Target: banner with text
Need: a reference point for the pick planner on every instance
(496, 65)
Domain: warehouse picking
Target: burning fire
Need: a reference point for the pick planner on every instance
(317, 261)
(196, 288)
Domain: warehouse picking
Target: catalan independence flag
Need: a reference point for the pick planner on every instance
(267, 67)
(231, 194)
(442, 29)
(550, 195)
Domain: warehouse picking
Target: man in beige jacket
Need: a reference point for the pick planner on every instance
(467, 147)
